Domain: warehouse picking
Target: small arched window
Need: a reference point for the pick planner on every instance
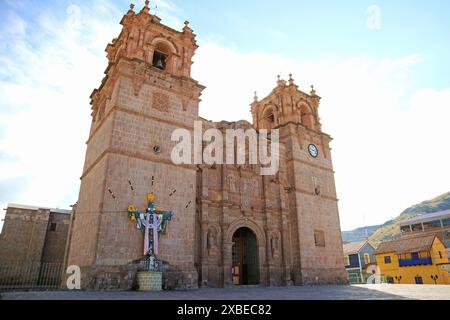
(161, 56)
(306, 117)
(269, 120)
(159, 60)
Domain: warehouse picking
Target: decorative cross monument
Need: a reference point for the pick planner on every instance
(152, 221)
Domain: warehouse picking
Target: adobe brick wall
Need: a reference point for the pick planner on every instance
(23, 235)
(29, 251)
(55, 241)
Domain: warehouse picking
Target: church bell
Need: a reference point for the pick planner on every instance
(159, 63)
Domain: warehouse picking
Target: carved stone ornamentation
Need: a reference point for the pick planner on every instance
(161, 102)
(274, 244)
(139, 78)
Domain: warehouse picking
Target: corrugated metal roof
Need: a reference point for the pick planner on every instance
(416, 244)
(27, 207)
(428, 217)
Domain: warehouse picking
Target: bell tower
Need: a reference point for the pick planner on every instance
(306, 174)
(287, 104)
(146, 94)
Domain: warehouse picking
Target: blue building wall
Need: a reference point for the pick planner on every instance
(356, 262)
(367, 248)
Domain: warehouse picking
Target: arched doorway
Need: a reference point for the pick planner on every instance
(245, 268)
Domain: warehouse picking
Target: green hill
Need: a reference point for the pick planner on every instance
(358, 234)
(437, 204)
(391, 230)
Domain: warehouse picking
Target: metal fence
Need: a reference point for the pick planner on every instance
(355, 278)
(30, 275)
(151, 264)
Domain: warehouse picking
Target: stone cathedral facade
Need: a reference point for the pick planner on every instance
(231, 225)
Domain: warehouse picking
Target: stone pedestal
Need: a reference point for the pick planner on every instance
(149, 281)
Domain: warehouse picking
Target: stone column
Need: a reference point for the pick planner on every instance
(204, 248)
(227, 264)
(286, 248)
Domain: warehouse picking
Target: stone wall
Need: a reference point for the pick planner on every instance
(149, 281)
(32, 246)
(23, 235)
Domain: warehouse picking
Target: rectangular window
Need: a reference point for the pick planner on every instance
(319, 238)
(347, 261)
(387, 259)
(354, 261)
(416, 227)
(436, 224)
(446, 222)
(52, 227)
(366, 258)
(419, 280)
(405, 229)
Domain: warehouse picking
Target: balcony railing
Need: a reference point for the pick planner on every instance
(415, 262)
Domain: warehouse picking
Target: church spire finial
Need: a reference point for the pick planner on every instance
(146, 7)
(186, 28)
(313, 92)
(280, 82)
(255, 98)
(291, 81)
(131, 8)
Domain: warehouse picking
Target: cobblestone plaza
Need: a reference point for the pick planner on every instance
(355, 292)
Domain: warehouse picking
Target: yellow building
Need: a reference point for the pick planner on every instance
(418, 260)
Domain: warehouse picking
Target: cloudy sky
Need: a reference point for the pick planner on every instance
(381, 67)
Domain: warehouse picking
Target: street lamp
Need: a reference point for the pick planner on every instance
(398, 278)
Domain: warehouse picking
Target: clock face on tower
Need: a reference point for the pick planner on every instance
(313, 151)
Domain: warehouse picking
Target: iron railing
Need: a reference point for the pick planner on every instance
(30, 275)
(415, 262)
(151, 264)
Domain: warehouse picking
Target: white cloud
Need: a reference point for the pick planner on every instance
(44, 103)
(162, 4)
(166, 10)
(383, 133)
(46, 78)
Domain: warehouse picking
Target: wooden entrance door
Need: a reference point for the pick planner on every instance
(245, 270)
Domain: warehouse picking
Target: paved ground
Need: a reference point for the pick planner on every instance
(356, 292)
